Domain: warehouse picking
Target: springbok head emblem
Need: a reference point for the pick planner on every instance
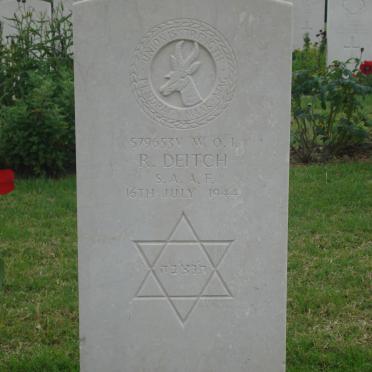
(180, 78)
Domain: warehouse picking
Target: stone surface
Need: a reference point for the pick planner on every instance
(9, 7)
(349, 24)
(308, 17)
(183, 112)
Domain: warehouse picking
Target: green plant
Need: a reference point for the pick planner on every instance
(313, 56)
(36, 139)
(37, 96)
(328, 116)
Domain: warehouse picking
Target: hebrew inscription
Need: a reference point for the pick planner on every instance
(184, 73)
(183, 269)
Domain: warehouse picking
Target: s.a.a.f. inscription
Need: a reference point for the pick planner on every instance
(182, 167)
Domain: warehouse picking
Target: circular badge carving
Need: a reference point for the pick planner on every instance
(184, 73)
(354, 6)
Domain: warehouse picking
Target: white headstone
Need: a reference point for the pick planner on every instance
(10, 7)
(183, 114)
(308, 18)
(349, 29)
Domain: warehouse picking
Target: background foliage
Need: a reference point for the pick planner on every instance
(36, 95)
(328, 105)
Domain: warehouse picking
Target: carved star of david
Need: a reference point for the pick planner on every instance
(183, 269)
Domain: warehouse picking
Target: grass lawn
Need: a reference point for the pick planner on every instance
(329, 299)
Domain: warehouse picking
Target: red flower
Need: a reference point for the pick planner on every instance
(6, 181)
(366, 68)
